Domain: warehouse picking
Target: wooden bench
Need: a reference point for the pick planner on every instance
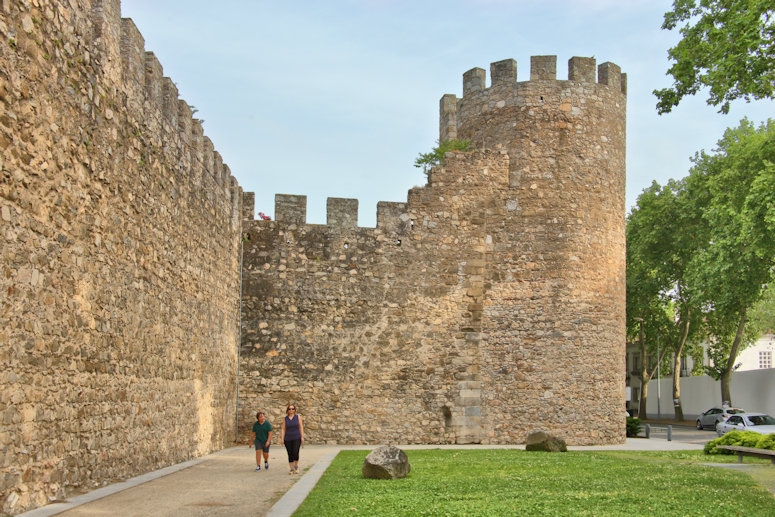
(749, 451)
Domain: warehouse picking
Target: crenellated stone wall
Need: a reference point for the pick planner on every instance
(488, 305)
(120, 230)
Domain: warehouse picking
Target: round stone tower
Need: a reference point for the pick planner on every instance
(554, 308)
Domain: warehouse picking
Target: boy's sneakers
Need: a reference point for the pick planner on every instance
(258, 468)
(266, 466)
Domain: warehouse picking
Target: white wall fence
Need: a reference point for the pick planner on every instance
(752, 390)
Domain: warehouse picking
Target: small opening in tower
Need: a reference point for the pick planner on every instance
(398, 242)
(447, 416)
(346, 245)
(542, 99)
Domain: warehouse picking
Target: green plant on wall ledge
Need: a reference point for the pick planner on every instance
(426, 161)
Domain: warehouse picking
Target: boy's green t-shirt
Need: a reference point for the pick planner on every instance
(262, 430)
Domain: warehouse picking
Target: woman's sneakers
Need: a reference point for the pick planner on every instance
(258, 467)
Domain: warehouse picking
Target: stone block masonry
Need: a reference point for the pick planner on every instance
(120, 230)
(489, 305)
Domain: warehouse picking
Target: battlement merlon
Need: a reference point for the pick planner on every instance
(503, 72)
(341, 212)
(392, 216)
(248, 206)
(448, 117)
(543, 68)
(290, 209)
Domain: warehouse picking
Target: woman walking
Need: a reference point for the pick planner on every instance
(292, 435)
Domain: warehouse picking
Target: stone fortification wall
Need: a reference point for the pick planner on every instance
(566, 142)
(368, 330)
(488, 305)
(120, 259)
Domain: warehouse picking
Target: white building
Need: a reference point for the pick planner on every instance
(759, 355)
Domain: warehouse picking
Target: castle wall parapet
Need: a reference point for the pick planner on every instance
(152, 103)
(341, 213)
(505, 89)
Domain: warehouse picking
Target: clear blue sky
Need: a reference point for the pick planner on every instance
(337, 98)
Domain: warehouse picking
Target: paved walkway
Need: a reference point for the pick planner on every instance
(225, 483)
(220, 484)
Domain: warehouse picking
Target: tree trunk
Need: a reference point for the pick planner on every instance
(726, 377)
(645, 376)
(679, 412)
(645, 379)
(726, 397)
(644, 391)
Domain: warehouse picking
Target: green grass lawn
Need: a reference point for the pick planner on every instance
(488, 482)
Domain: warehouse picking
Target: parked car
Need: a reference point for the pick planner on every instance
(757, 422)
(710, 418)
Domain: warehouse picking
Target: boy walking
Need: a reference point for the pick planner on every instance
(262, 438)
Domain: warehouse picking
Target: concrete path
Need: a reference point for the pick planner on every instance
(220, 484)
(225, 483)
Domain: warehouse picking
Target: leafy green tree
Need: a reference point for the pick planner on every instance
(732, 192)
(660, 245)
(643, 286)
(427, 161)
(763, 315)
(727, 46)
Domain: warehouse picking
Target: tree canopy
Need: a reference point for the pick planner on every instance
(661, 241)
(727, 46)
(734, 191)
(763, 315)
(705, 246)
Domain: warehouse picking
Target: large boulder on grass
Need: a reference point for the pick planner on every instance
(541, 441)
(386, 462)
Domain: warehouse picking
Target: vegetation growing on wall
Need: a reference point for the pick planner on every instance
(435, 157)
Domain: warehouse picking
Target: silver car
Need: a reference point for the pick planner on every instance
(710, 418)
(756, 422)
